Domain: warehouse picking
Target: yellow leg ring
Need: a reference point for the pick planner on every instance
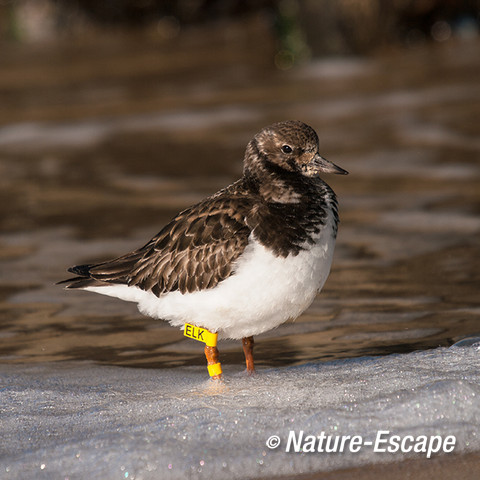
(215, 369)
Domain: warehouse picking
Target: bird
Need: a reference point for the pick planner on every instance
(243, 260)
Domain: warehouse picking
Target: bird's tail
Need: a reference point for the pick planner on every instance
(83, 278)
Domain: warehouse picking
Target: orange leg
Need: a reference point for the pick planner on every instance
(212, 358)
(247, 343)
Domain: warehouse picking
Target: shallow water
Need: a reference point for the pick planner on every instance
(95, 157)
(103, 141)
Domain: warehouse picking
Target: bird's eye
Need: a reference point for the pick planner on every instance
(287, 149)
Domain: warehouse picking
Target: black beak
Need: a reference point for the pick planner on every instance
(323, 165)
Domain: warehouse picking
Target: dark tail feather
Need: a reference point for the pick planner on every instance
(101, 274)
(81, 270)
(83, 280)
(68, 280)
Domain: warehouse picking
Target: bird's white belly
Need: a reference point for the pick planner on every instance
(264, 291)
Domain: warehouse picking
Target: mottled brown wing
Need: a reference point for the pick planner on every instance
(195, 251)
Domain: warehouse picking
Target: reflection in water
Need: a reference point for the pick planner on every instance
(96, 179)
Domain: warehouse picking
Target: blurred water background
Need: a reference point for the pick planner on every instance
(115, 115)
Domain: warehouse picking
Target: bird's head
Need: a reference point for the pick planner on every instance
(291, 146)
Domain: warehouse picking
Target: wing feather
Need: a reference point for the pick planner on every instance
(195, 251)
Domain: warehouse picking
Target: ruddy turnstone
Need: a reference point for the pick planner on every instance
(245, 259)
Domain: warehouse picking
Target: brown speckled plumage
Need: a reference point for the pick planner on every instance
(280, 200)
